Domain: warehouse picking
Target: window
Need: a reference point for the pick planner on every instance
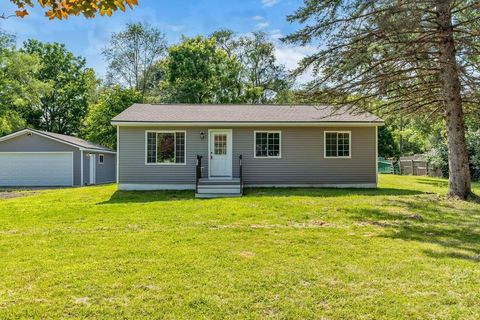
(220, 144)
(165, 147)
(267, 144)
(337, 144)
(101, 158)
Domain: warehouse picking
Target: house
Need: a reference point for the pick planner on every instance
(37, 158)
(218, 149)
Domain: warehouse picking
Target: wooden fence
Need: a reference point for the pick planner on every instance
(414, 165)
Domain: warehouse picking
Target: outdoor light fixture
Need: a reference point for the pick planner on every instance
(202, 135)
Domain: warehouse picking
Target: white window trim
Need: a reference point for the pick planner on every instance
(165, 163)
(101, 158)
(255, 144)
(325, 145)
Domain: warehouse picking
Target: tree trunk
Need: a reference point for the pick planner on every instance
(459, 173)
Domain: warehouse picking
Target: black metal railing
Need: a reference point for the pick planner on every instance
(241, 174)
(198, 172)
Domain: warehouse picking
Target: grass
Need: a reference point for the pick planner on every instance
(402, 251)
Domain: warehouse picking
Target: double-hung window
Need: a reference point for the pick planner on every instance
(268, 144)
(337, 144)
(165, 147)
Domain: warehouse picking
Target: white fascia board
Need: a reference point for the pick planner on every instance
(15, 134)
(247, 124)
(24, 131)
(97, 151)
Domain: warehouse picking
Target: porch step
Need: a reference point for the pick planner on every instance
(221, 188)
(217, 195)
(205, 181)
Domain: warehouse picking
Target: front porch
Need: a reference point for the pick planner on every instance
(221, 187)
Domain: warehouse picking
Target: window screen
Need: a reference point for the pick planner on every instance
(267, 144)
(337, 144)
(165, 147)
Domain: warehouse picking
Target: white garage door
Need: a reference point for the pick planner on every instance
(36, 169)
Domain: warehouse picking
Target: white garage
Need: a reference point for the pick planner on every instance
(34, 158)
(22, 169)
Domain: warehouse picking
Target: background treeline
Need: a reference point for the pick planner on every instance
(44, 86)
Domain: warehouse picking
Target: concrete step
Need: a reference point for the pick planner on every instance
(218, 189)
(217, 195)
(205, 181)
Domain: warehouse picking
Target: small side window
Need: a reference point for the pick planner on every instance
(101, 158)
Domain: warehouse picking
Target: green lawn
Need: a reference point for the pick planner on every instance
(402, 251)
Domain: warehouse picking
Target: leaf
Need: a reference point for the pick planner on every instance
(21, 13)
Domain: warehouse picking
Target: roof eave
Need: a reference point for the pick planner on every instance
(127, 123)
(82, 148)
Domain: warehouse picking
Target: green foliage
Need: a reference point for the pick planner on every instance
(386, 144)
(20, 88)
(197, 71)
(62, 109)
(111, 101)
(132, 55)
(263, 80)
(437, 156)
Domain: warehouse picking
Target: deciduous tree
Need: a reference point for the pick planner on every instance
(132, 55)
(111, 101)
(61, 9)
(20, 90)
(197, 71)
(62, 109)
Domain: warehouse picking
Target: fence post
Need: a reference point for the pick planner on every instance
(413, 168)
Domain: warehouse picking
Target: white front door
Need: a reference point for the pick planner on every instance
(220, 151)
(92, 169)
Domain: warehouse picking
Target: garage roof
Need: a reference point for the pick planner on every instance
(80, 143)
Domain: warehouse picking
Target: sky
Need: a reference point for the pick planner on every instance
(87, 37)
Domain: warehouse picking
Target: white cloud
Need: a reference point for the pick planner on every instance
(276, 34)
(290, 56)
(262, 25)
(258, 18)
(269, 3)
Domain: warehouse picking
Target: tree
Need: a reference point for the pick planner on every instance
(196, 71)
(225, 39)
(62, 109)
(386, 144)
(59, 9)
(263, 80)
(132, 55)
(415, 57)
(111, 101)
(19, 87)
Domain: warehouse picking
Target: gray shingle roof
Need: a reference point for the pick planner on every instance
(241, 113)
(73, 140)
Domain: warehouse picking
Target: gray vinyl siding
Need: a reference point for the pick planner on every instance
(37, 143)
(302, 158)
(302, 161)
(132, 167)
(106, 172)
(86, 169)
